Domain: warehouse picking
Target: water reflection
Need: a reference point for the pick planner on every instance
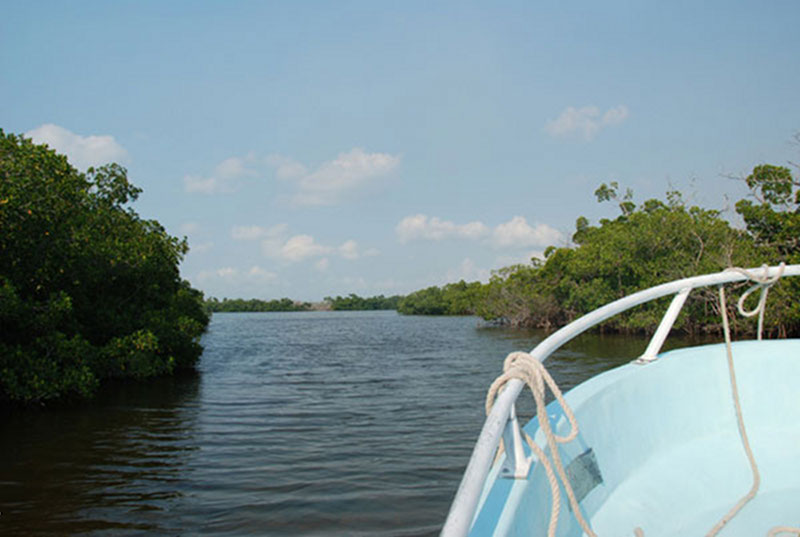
(107, 465)
(584, 357)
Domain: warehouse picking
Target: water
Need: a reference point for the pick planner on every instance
(314, 423)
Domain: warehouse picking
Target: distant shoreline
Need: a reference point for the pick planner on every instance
(351, 302)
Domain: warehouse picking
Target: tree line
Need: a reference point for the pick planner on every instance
(214, 305)
(645, 245)
(351, 302)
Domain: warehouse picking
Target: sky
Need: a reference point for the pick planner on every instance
(312, 149)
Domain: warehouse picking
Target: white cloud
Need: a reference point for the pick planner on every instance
(331, 180)
(614, 116)
(203, 185)
(419, 226)
(231, 275)
(224, 178)
(251, 233)
(468, 271)
(349, 250)
(302, 247)
(233, 168)
(518, 233)
(323, 264)
(277, 244)
(285, 167)
(586, 121)
(82, 151)
(259, 273)
(227, 272)
(325, 185)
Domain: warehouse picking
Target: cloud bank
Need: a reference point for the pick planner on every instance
(232, 274)
(516, 233)
(82, 151)
(585, 122)
(225, 177)
(277, 244)
(420, 226)
(328, 183)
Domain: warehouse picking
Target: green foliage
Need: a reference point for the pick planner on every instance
(88, 289)
(774, 219)
(608, 192)
(643, 247)
(656, 242)
(517, 295)
(429, 301)
(133, 355)
(459, 298)
(254, 304)
(353, 302)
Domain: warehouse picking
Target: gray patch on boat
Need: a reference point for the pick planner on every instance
(583, 474)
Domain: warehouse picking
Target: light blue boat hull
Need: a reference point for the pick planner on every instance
(666, 444)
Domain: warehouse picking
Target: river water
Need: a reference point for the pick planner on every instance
(313, 423)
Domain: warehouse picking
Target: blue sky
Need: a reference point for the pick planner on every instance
(310, 149)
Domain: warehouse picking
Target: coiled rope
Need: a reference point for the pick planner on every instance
(521, 365)
(763, 283)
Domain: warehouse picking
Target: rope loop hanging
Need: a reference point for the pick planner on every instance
(762, 283)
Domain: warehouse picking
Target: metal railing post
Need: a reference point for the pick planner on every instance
(516, 464)
(654, 347)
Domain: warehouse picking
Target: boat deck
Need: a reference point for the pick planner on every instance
(687, 490)
(667, 448)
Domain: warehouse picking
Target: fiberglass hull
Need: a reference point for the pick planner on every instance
(659, 449)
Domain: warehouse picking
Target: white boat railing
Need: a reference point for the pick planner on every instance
(502, 418)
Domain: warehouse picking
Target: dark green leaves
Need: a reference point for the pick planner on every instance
(88, 290)
(774, 219)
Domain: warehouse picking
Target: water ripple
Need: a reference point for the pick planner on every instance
(299, 424)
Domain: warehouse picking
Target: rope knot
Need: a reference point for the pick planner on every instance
(762, 283)
(523, 366)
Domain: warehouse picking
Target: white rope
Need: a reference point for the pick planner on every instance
(783, 529)
(763, 283)
(739, 420)
(532, 372)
